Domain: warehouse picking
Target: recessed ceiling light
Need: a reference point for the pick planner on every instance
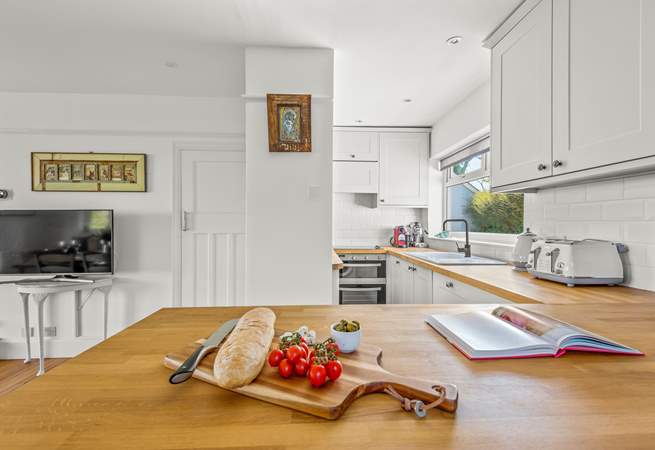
(452, 40)
(171, 64)
(407, 100)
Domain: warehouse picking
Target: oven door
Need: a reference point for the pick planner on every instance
(363, 271)
(362, 294)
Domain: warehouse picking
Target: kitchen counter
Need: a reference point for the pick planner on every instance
(117, 395)
(521, 287)
(337, 264)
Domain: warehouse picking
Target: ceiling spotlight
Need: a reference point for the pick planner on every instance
(452, 40)
(407, 100)
(171, 64)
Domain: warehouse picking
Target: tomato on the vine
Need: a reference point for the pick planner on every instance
(275, 357)
(306, 349)
(285, 368)
(334, 369)
(294, 353)
(333, 346)
(317, 375)
(301, 367)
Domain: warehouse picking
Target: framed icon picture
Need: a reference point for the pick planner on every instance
(89, 172)
(289, 122)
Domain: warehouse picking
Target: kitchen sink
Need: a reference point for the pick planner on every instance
(456, 259)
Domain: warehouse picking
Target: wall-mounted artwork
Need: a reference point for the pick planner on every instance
(289, 122)
(89, 172)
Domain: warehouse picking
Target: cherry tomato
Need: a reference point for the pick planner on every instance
(334, 369)
(303, 340)
(285, 368)
(311, 354)
(306, 348)
(301, 367)
(275, 357)
(294, 352)
(311, 361)
(333, 345)
(317, 375)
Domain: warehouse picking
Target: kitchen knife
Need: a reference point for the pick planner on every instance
(185, 371)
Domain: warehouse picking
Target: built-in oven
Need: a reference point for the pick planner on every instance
(363, 279)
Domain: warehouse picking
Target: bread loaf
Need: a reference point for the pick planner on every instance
(242, 356)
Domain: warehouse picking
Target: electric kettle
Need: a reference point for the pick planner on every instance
(522, 249)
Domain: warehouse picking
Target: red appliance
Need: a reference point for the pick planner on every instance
(399, 238)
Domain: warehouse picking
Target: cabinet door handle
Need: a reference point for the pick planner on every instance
(449, 284)
(352, 155)
(185, 223)
(542, 166)
(381, 200)
(558, 163)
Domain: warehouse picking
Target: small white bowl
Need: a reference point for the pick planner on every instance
(347, 341)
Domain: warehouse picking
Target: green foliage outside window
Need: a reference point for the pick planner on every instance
(496, 213)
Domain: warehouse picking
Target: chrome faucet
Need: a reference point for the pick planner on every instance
(467, 247)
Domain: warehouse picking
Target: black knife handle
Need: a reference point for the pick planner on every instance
(185, 371)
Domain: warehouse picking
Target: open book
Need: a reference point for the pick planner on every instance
(508, 332)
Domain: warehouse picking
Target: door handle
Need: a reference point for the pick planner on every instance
(449, 284)
(373, 289)
(363, 265)
(185, 223)
(557, 163)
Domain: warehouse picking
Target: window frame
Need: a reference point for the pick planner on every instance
(449, 180)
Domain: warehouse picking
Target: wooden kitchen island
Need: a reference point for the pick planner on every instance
(117, 394)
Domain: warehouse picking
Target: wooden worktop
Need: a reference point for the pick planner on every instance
(336, 261)
(117, 394)
(521, 287)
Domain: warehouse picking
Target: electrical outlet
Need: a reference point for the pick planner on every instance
(22, 332)
(47, 332)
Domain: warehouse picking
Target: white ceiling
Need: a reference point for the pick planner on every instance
(385, 50)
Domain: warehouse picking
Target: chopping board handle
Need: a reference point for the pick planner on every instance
(418, 393)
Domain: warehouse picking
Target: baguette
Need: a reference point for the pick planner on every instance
(242, 356)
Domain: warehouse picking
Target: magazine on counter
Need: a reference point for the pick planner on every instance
(510, 332)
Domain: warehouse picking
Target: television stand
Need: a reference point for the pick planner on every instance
(46, 288)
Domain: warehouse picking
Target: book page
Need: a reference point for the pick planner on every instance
(484, 333)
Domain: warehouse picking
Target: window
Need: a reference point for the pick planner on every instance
(467, 196)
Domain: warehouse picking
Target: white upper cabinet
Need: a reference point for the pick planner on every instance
(590, 66)
(355, 145)
(604, 82)
(521, 100)
(356, 177)
(404, 168)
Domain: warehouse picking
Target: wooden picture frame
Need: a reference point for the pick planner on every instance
(289, 122)
(88, 172)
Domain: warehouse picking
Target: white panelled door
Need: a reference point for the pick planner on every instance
(212, 201)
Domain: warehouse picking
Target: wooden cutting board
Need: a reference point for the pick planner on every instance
(362, 374)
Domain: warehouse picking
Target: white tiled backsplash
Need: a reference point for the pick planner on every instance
(358, 222)
(621, 210)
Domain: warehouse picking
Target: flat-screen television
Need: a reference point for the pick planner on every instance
(56, 241)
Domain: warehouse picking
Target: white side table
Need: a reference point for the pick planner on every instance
(41, 290)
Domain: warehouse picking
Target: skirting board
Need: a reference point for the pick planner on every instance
(54, 348)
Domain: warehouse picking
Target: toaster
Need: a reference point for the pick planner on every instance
(588, 261)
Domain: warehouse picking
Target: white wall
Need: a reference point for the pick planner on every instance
(357, 220)
(466, 120)
(112, 123)
(288, 195)
(621, 210)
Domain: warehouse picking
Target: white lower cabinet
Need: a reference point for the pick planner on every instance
(422, 285)
(407, 283)
(447, 290)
